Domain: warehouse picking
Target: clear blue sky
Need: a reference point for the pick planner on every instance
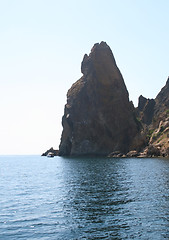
(42, 43)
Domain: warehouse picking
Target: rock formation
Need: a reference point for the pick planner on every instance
(50, 153)
(98, 117)
(162, 103)
(155, 122)
(146, 109)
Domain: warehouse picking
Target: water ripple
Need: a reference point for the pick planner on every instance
(79, 198)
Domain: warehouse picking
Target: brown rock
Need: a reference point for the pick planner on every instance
(153, 151)
(143, 154)
(133, 153)
(98, 117)
(115, 154)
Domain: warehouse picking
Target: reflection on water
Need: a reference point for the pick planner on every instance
(84, 198)
(112, 198)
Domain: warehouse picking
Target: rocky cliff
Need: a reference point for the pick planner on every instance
(98, 117)
(154, 116)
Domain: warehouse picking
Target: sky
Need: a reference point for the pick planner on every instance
(42, 44)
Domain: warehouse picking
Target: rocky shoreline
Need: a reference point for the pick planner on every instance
(148, 152)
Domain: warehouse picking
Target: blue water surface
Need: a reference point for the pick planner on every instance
(83, 198)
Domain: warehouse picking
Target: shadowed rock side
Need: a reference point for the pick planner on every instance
(146, 109)
(98, 117)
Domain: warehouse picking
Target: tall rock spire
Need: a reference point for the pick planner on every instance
(98, 117)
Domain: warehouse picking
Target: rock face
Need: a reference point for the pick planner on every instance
(146, 109)
(160, 123)
(98, 117)
(141, 103)
(162, 103)
(154, 115)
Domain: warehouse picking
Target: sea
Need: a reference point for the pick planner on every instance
(83, 198)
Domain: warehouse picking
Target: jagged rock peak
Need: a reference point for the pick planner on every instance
(141, 102)
(146, 109)
(100, 54)
(98, 117)
(99, 46)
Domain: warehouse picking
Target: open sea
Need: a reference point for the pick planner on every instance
(83, 198)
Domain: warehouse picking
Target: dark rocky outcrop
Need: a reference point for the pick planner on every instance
(98, 117)
(50, 153)
(141, 103)
(146, 109)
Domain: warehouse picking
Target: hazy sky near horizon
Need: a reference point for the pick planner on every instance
(42, 44)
